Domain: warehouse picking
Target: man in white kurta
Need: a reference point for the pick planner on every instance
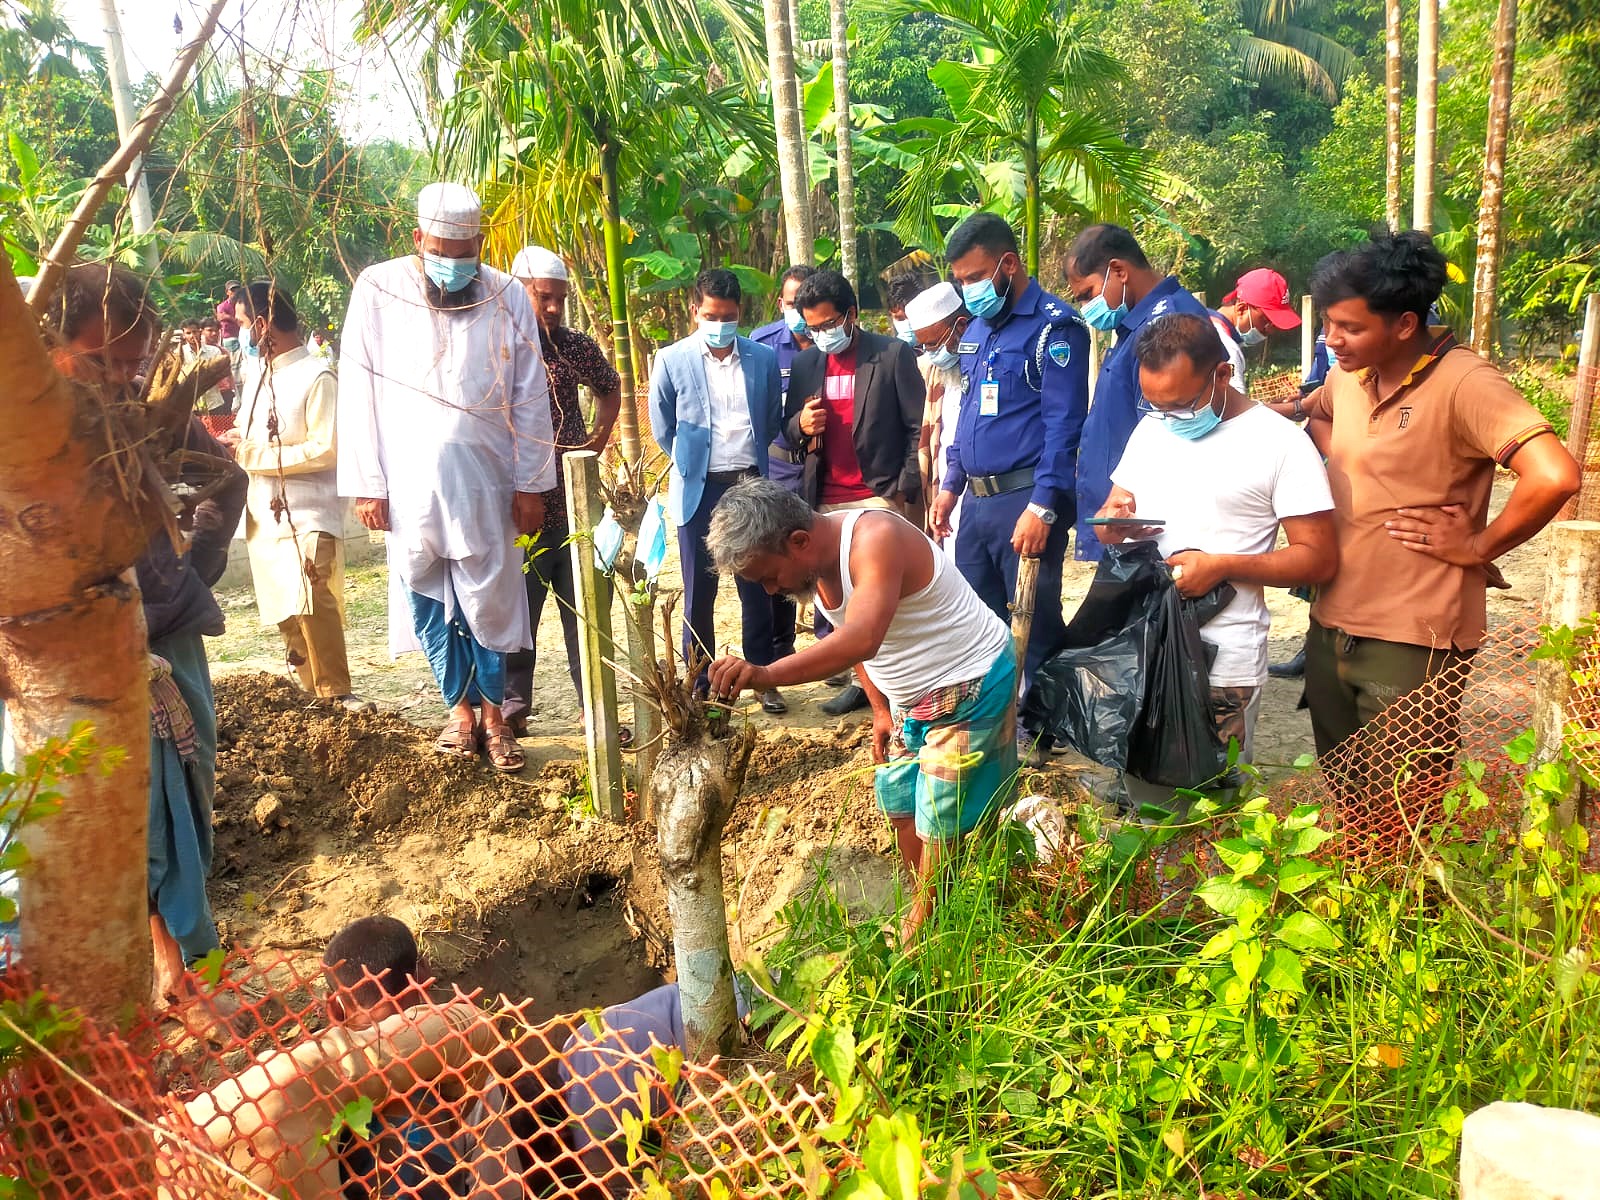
(445, 442)
(294, 518)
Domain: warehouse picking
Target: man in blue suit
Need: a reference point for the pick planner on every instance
(716, 403)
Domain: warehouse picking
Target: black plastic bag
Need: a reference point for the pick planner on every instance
(1121, 688)
(1175, 742)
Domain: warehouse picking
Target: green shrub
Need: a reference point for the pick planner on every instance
(1306, 1030)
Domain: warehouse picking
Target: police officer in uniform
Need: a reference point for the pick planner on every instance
(785, 465)
(1118, 290)
(1012, 463)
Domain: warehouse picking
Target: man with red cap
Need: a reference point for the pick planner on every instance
(1258, 304)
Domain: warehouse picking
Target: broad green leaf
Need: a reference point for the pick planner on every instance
(1221, 943)
(669, 1062)
(834, 1052)
(1281, 971)
(1569, 971)
(1298, 874)
(25, 158)
(1303, 931)
(819, 97)
(1306, 841)
(1231, 897)
(893, 1155)
(1240, 856)
(1246, 959)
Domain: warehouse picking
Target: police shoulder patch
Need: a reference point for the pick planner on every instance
(1161, 307)
(1052, 309)
(1060, 353)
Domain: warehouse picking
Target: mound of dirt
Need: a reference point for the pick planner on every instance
(323, 816)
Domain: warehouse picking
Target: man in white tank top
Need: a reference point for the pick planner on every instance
(936, 663)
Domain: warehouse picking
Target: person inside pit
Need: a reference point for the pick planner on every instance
(465, 1102)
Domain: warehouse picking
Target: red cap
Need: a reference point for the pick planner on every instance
(1265, 289)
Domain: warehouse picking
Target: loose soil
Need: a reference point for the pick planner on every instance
(322, 816)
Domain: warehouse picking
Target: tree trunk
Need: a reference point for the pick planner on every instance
(122, 104)
(617, 288)
(1486, 278)
(696, 781)
(844, 154)
(1394, 104)
(793, 8)
(1030, 202)
(790, 132)
(1427, 115)
(72, 648)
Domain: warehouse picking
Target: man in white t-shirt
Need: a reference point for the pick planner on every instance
(1221, 474)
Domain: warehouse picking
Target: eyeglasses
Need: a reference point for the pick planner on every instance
(833, 324)
(1188, 412)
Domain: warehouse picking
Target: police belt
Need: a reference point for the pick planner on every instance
(999, 485)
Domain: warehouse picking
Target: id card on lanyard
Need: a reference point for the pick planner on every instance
(989, 390)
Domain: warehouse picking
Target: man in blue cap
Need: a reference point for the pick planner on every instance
(1025, 357)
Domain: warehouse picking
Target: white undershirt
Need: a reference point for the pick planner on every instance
(733, 438)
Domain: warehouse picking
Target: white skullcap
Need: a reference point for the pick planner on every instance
(535, 262)
(932, 305)
(449, 210)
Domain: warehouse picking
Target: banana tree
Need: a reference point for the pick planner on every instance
(1034, 101)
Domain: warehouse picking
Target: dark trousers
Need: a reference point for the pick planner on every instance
(700, 593)
(986, 560)
(550, 571)
(785, 615)
(1410, 695)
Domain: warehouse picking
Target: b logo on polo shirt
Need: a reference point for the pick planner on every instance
(1405, 416)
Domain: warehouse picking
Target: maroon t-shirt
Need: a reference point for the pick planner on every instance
(841, 476)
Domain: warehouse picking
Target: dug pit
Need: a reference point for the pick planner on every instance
(323, 816)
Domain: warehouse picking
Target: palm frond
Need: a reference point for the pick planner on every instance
(1267, 61)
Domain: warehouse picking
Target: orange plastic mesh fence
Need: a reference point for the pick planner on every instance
(257, 1091)
(1583, 439)
(1275, 386)
(1389, 779)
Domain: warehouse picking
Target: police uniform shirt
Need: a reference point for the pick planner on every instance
(1027, 390)
(1116, 406)
(777, 335)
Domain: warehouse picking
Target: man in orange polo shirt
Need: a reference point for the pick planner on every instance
(1413, 426)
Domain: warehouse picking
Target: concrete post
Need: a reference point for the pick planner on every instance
(1524, 1152)
(596, 650)
(1571, 594)
(1308, 335)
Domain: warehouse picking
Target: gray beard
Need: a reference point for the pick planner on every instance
(804, 595)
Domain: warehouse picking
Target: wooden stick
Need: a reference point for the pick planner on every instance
(1022, 606)
(139, 137)
(596, 651)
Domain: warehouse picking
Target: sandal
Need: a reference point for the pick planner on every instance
(502, 751)
(459, 740)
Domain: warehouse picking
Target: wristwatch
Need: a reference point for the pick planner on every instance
(1047, 515)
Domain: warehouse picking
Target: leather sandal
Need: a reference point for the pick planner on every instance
(501, 749)
(459, 740)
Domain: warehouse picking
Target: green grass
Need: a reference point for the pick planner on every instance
(1305, 1030)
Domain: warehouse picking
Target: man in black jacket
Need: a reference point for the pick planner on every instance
(855, 401)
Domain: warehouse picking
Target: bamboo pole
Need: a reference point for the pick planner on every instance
(1571, 595)
(118, 165)
(596, 650)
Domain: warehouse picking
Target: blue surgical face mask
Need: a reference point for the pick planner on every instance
(944, 359)
(1100, 315)
(795, 321)
(718, 333)
(1250, 338)
(1203, 422)
(451, 274)
(833, 341)
(981, 299)
(903, 331)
